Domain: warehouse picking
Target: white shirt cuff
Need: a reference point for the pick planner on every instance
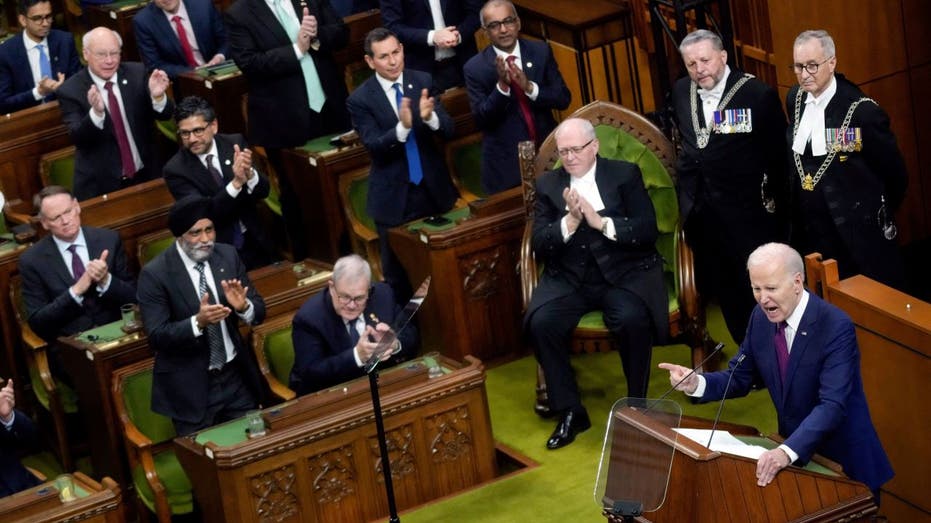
(789, 452)
(430, 34)
(700, 389)
(534, 91)
(401, 132)
(8, 425)
(434, 122)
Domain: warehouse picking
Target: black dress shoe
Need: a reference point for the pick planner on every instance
(571, 423)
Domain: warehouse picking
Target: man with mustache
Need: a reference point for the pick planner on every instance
(193, 297)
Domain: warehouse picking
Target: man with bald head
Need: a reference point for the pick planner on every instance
(848, 176)
(731, 172)
(110, 108)
(594, 231)
(336, 331)
(805, 351)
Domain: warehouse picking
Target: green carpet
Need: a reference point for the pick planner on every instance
(561, 488)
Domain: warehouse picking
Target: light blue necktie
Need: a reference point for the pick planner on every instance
(45, 67)
(315, 95)
(414, 168)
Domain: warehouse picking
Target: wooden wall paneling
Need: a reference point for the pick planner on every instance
(893, 94)
(920, 181)
(917, 17)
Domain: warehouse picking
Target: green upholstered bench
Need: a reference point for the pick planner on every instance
(274, 351)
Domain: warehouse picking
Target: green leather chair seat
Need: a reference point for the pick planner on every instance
(150, 251)
(167, 128)
(358, 195)
(61, 172)
(279, 351)
(69, 399)
(171, 474)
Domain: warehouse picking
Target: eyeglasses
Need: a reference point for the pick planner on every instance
(811, 68)
(41, 18)
(103, 55)
(510, 21)
(564, 152)
(197, 131)
(345, 299)
(69, 212)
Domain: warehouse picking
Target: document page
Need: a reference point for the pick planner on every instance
(723, 442)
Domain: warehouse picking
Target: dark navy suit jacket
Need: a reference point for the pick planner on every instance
(375, 121)
(14, 477)
(159, 45)
(51, 310)
(412, 20)
(168, 299)
(323, 354)
(821, 407)
(498, 116)
(16, 81)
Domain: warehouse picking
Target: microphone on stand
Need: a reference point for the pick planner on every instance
(716, 350)
(727, 386)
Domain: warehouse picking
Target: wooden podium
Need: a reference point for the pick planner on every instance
(96, 503)
(319, 459)
(714, 487)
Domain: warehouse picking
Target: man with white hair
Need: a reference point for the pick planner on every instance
(594, 231)
(110, 108)
(805, 351)
(337, 330)
(848, 176)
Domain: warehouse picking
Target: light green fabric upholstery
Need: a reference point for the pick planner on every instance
(69, 400)
(358, 195)
(137, 398)
(168, 128)
(467, 166)
(273, 201)
(61, 172)
(279, 352)
(151, 250)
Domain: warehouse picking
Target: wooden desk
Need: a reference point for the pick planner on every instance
(12, 365)
(359, 25)
(133, 212)
(313, 172)
(24, 137)
(596, 24)
(474, 304)
(223, 89)
(97, 503)
(92, 362)
(319, 460)
(119, 17)
(894, 334)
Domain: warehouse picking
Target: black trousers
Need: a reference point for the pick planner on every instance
(625, 315)
(228, 398)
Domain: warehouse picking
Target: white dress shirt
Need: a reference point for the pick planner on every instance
(188, 30)
(388, 87)
(32, 53)
(84, 255)
(587, 188)
(710, 98)
(811, 126)
(519, 62)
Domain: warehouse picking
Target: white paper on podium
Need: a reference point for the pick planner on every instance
(723, 442)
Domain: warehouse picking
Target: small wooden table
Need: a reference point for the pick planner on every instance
(96, 503)
(223, 86)
(319, 459)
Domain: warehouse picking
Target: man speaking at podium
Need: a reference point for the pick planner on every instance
(805, 351)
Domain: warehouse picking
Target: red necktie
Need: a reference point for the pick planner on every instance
(119, 129)
(523, 104)
(782, 349)
(77, 266)
(185, 43)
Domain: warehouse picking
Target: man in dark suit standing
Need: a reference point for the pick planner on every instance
(408, 178)
(849, 176)
(219, 167)
(805, 351)
(512, 99)
(75, 278)
(296, 89)
(731, 173)
(177, 36)
(16, 432)
(336, 331)
(34, 63)
(594, 230)
(192, 297)
(438, 35)
(110, 110)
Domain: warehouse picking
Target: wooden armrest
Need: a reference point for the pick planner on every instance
(136, 438)
(279, 389)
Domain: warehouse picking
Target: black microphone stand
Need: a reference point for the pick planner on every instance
(383, 447)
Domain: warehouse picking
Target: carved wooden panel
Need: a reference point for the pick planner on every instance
(274, 495)
(334, 477)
